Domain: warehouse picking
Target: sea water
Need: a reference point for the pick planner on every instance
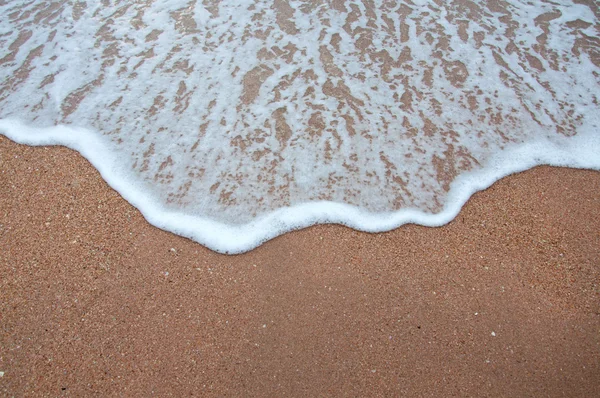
(233, 121)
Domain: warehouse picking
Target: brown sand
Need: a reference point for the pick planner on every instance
(503, 301)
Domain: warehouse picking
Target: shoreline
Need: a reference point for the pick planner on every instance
(503, 300)
(235, 239)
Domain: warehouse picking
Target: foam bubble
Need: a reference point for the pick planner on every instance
(231, 122)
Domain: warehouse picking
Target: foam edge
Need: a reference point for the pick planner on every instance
(580, 151)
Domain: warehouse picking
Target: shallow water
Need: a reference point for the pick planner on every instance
(234, 121)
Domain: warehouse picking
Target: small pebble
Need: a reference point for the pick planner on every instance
(494, 334)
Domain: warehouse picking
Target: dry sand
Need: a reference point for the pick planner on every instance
(503, 301)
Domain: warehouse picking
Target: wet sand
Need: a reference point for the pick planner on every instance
(503, 301)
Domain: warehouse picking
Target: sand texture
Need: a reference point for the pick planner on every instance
(503, 301)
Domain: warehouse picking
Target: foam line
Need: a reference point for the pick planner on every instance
(582, 151)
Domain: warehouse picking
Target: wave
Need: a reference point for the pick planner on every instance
(232, 122)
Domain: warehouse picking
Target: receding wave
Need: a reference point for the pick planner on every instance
(233, 121)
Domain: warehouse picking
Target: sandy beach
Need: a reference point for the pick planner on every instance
(94, 301)
(228, 111)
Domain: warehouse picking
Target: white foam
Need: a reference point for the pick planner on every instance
(159, 97)
(581, 151)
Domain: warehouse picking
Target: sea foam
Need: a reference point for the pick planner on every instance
(231, 122)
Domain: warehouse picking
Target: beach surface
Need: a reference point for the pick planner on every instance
(94, 301)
